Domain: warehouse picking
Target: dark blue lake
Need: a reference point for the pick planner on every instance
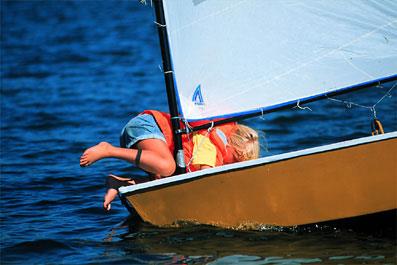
(72, 74)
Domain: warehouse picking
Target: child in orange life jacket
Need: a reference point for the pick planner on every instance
(146, 141)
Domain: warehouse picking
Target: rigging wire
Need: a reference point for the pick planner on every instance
(372, 108)
(160, 25)
(144, 2)
(300, 107)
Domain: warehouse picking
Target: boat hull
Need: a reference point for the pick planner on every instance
(352, 179)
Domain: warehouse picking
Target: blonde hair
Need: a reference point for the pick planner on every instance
(245, 142)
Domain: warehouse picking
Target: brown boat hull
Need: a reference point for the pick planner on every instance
(314, 187)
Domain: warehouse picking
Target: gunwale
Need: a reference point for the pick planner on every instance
(174, 180)
(331, 182)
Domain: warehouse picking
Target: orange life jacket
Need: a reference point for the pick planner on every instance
(164, 122)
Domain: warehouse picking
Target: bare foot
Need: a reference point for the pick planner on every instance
(95, 153)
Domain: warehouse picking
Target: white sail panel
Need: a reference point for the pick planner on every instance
(230, 57)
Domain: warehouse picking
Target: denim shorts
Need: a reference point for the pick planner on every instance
(140, 128)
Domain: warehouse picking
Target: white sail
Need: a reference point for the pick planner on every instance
(231, 57)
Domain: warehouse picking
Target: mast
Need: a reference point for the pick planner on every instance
(309, 79)
(169, 82)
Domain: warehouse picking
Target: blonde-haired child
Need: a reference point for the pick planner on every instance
(146, 141)
(245, 143)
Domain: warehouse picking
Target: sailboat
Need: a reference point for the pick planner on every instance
(230, 60)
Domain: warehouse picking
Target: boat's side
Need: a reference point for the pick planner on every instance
(346, 181)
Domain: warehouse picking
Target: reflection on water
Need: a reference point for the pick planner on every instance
(299, 245)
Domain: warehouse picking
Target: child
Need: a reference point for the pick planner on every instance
(146, 141)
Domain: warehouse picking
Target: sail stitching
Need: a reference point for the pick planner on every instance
(208, 16)
(307, 63)
(355, 66)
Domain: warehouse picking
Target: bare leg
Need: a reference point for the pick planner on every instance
(156, 158)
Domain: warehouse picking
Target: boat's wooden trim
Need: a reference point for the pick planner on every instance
(128, 190)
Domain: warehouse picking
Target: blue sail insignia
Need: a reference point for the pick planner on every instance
(197, 97)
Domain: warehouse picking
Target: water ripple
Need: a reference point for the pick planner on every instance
(73, 73)
(38, 246)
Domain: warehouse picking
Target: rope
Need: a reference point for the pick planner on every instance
(160, 25)
(188, 128)
(262, 117)
(299, 107)
(144, 2)
(372, 108)
(167, 72)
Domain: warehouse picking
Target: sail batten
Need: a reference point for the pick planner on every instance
(236, 57)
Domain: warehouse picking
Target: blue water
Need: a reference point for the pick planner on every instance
(72, 74)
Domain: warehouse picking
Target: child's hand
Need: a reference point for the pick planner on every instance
(107, 207)
(109, 197)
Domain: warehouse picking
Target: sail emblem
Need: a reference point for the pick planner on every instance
(197, 96)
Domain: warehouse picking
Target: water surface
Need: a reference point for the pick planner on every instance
(72, 74)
